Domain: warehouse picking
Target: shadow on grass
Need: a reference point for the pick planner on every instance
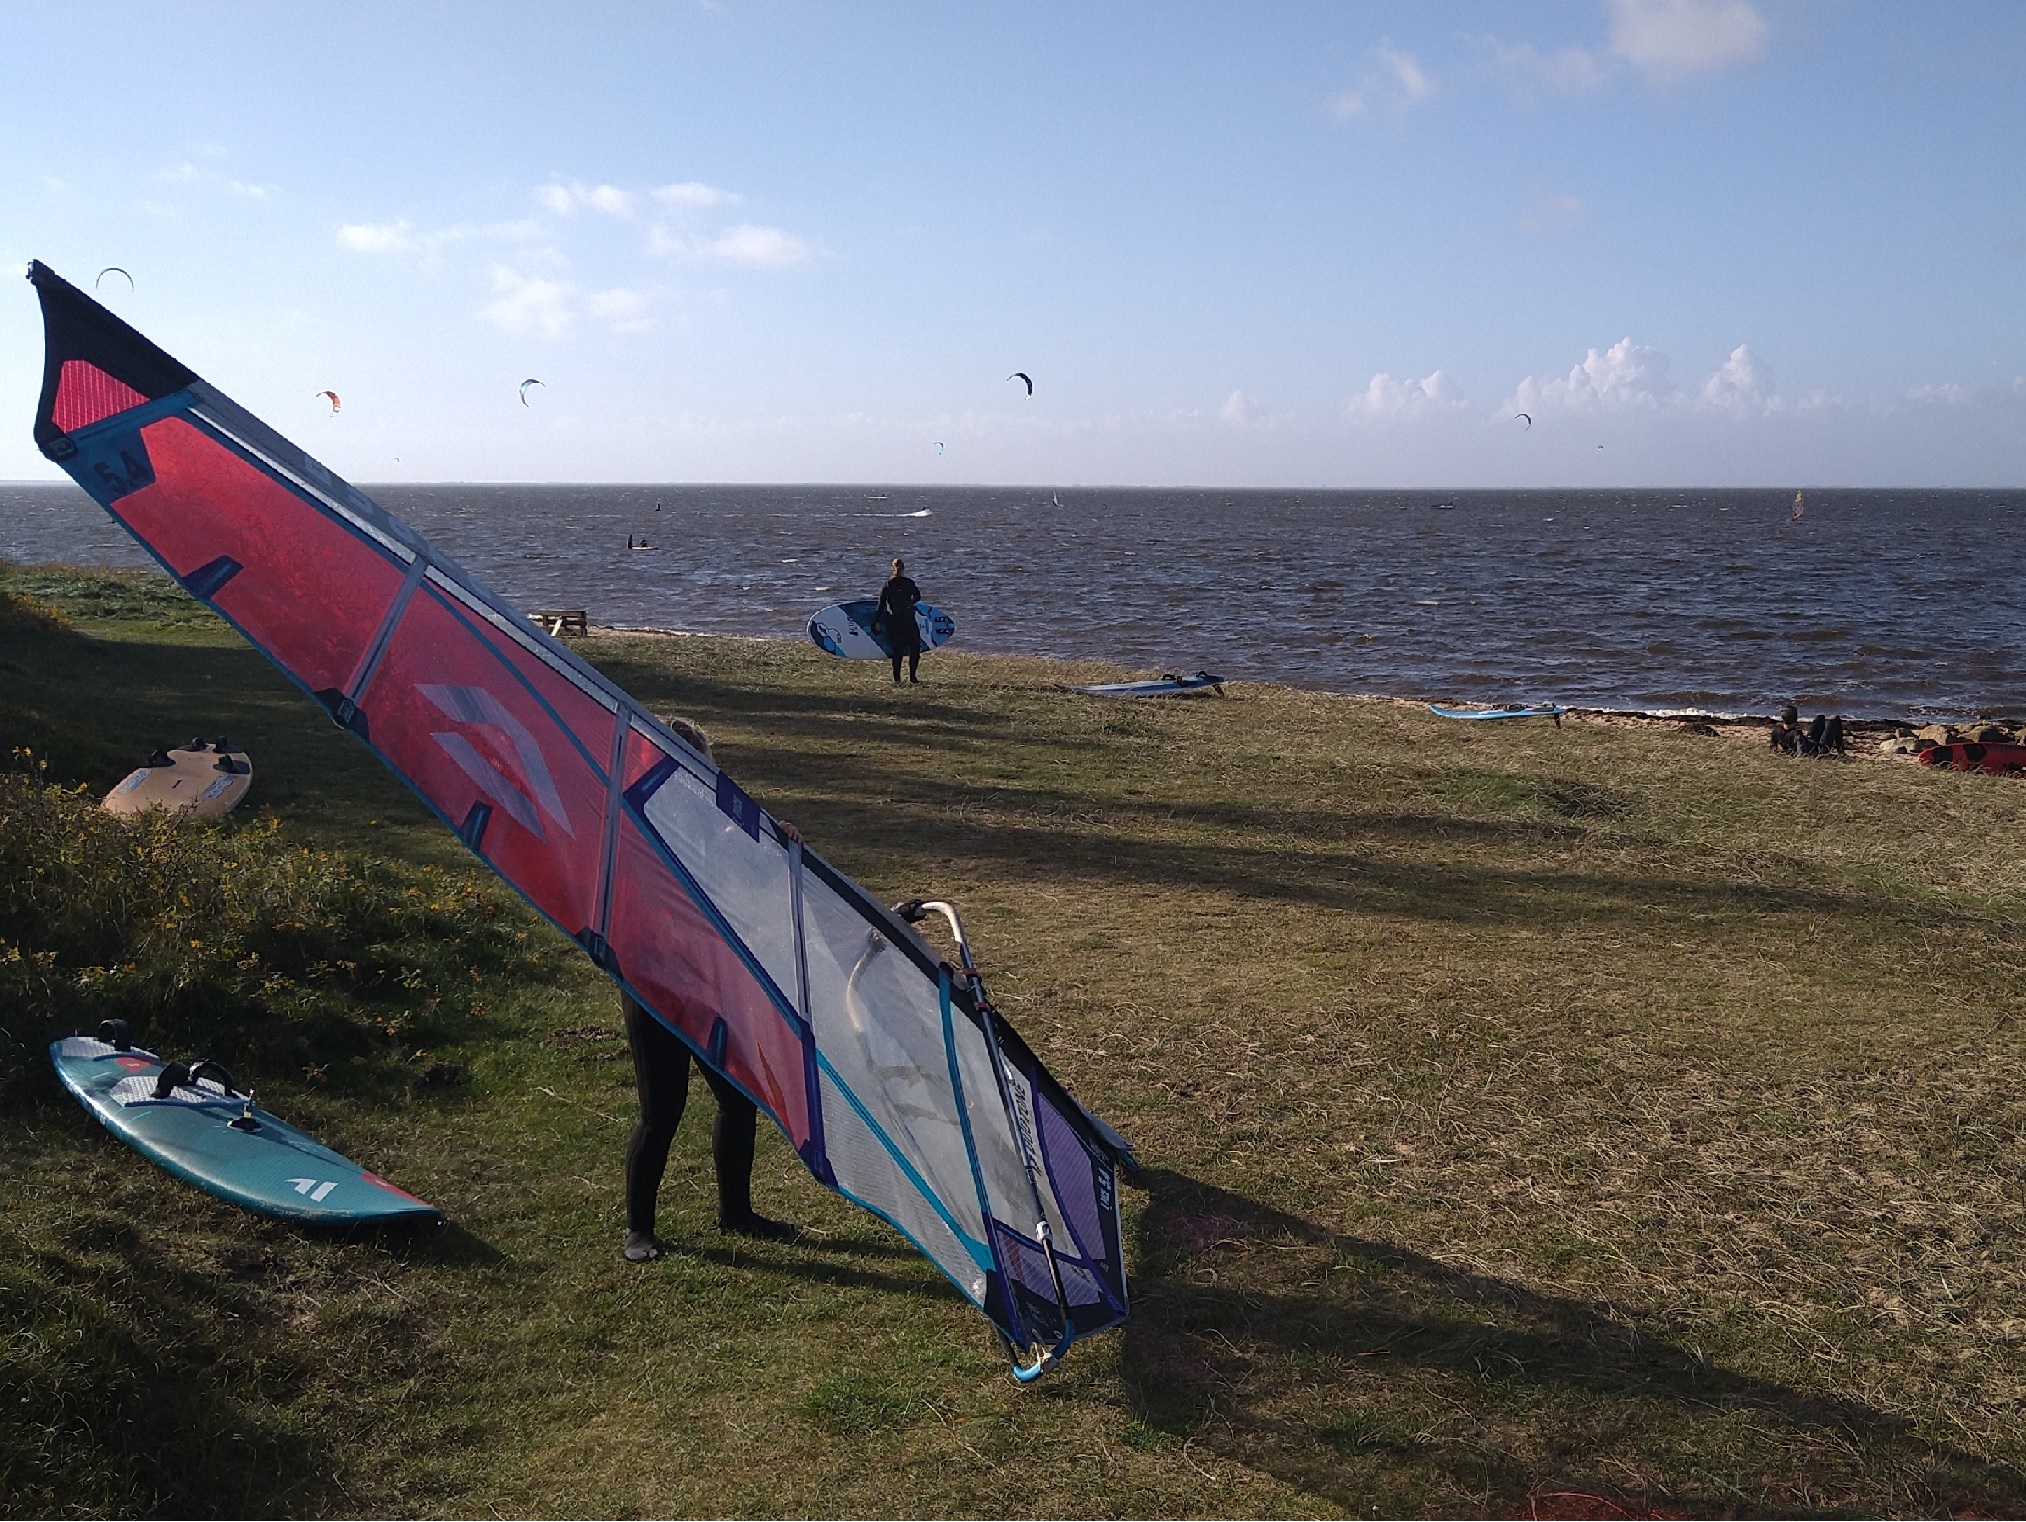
(1448, 1389)
(787, 1261)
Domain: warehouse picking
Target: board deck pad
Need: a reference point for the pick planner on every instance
(1156, 687)
(269, 1167)
(845, 629)
(189, 779)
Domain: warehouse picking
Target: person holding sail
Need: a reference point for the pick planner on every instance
(895, 617)
(661, 1063)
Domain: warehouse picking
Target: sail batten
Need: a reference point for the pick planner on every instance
(895, 1085)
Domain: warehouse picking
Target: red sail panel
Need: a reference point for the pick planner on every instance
(681, 966)
(85, 393)
(473, 720)
(307, 588)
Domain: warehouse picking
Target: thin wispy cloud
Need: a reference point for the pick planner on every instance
(1397, 84)
(194, 174)
(530, 304)
(1530, 72)
(376, 237)
(536, 305)
(567, 200)
(752, 246)
(694, 194)
(1671, 39)
(1548, 212)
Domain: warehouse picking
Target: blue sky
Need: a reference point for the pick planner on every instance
(1729, 241)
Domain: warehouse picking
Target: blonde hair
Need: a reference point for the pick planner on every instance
(690, 733)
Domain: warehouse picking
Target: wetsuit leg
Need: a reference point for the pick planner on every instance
(733, 1135)
(661, 1073)
(896, 670)
(914, 661)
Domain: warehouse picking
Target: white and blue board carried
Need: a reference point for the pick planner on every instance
(1510, 711)
(845, 629)
(196, 1123)
(1156, 687)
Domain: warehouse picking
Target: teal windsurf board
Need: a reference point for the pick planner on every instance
(200, 1127)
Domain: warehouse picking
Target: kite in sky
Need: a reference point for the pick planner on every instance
(112, 269)
(530, 381)
(1527, 415)
(1022, 375)
(336, 405)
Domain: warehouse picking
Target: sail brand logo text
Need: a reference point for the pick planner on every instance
(313, 1189)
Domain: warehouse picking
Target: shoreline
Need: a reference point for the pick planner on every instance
(1724, 725)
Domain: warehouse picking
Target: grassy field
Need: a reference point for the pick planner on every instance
(1591, 1121)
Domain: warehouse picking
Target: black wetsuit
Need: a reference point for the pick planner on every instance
(661, 1070)
(895, 616)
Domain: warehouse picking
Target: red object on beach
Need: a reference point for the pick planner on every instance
(1971, 756)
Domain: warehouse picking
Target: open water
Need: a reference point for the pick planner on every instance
(1877, 604)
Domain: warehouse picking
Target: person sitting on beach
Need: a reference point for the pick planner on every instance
(1822, 737)
(895, 616)
(661, 1063)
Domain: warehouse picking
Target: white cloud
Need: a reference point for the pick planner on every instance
(694, 193)
(398, 237)
(1624, 377)
(529, 304)
(1674, 38)
(564, 200)
(187, 173)
(1741, 385)
(1947, 394)
(1551, 211)
(1237, 411)
(1398, 83)
(376, 237)
(1628, 379)
(1434, 395)
(1530, 72)
(755, 247)
(534, 304)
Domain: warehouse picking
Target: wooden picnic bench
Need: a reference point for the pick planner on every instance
(561, 622)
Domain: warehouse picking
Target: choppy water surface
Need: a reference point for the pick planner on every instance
(1876, 603)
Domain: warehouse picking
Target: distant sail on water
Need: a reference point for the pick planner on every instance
(887, 1070)
(1799, 510)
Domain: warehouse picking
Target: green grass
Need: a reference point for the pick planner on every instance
(1590, 1121)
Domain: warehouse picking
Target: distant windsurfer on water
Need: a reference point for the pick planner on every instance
(895, 616)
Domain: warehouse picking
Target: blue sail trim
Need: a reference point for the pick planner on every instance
(985, 1211)
(981, 1253)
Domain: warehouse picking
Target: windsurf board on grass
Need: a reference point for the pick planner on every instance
(202, 778)
(1156, 687)
(845, 629)
(1510, 711)
(200, 1127)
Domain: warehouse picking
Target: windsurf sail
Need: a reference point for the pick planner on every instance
(883, 1064)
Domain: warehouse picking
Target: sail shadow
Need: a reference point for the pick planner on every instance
(1374, 1375)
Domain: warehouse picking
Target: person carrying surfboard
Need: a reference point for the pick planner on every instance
(661, 1064)
(895, 617)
